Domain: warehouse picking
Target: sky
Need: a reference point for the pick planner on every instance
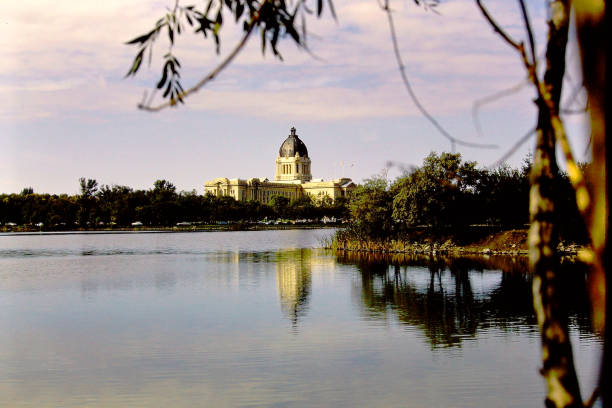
(67, 111)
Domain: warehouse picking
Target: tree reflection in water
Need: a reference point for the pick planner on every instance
(437, 295)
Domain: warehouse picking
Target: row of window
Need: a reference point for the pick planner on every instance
(286, 168)
(266, 195)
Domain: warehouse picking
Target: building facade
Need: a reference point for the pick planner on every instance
(292, 179)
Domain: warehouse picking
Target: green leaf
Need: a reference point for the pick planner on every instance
(170, 34)
(294, 34)
(141, 39)
(219, 18)
(168, 89)
(136, 63)
(332, 9)
(239, 10)
(164, 77)
(210, 2)
(263, 41)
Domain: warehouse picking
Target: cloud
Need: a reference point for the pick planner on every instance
(59, 51)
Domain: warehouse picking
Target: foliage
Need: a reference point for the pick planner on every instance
(448, 193)
(371, 208)
(440, 193)
(160, 206)
(274, 20)
(504, 196)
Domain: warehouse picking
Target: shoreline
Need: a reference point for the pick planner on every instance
(509, 242)
(194, 228)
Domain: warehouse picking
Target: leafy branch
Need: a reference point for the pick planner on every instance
(275, 19)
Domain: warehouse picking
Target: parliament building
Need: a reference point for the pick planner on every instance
(292, 179)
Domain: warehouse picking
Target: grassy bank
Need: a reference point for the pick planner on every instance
(483, 241)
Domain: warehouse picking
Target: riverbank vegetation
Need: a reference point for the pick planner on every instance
(162, 206)
(448, 203)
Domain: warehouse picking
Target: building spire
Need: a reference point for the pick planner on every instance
(292, 131)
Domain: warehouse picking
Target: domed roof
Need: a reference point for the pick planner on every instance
(293, 145)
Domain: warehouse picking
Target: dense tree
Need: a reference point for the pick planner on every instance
(440, 193)
(503, 197)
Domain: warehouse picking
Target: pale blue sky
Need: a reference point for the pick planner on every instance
(66, 111)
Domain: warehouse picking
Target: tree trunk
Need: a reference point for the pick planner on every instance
(591, 18)
(558, 364)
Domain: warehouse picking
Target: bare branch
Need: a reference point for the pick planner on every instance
(497, 28)
(402, 68)
(573, 97)
(591, 401)
(514, 148)
(529, 32)
(492, 98)
(580, 111)
(529, 66)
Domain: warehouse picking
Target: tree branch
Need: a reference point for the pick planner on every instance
(492, 98)
(527, 22)
(514, 148)
(497, 28)
(212, 74)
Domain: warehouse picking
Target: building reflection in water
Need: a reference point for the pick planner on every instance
(294, 278)
(293, 275)
(451, 300)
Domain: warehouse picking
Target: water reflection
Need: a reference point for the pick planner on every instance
(451, 300)
(294, 277)
(177, 319)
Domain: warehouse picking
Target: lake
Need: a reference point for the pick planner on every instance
(265, 319)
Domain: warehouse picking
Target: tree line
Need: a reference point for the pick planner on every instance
(116, 205)
(447, 193)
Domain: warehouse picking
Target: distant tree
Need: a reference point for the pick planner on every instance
(87, 201)
(302, 208)
(190, 206)
(163, 202)
(114, 204)
(280, 206)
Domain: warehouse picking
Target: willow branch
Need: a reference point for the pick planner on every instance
(402, 68)
(212, 74)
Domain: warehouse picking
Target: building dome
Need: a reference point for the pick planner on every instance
(293, 145)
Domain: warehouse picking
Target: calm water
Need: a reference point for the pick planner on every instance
(260, 319)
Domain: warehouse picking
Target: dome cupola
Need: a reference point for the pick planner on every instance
(293, 163)
(293, 145)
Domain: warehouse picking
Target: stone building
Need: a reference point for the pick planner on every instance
(293, 179)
